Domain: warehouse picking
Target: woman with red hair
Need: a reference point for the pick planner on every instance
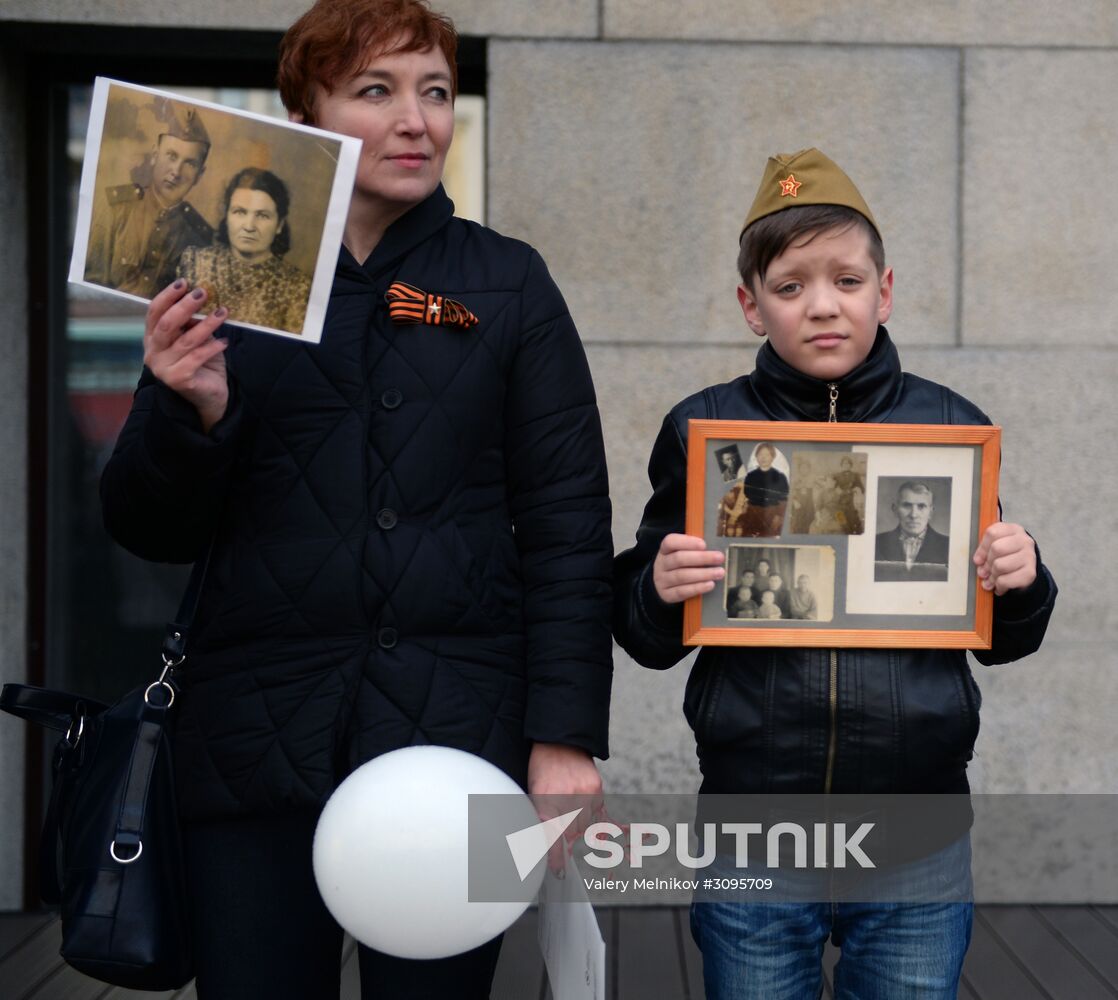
(409, 523)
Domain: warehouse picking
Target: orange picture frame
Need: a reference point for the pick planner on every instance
(873, 524)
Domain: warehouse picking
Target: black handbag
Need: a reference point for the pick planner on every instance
(111, 852)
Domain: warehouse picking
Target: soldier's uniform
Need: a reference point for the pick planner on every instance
(135, 243)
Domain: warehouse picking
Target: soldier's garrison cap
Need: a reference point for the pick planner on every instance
(186, 124)
(805, 178)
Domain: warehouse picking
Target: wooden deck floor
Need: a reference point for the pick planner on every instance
(1018, 953)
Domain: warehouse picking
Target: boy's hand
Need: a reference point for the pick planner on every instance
(684, 568)
(1006, 558)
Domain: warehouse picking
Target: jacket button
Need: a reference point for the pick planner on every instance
(387, 518)
(391, 398)
(386, 637)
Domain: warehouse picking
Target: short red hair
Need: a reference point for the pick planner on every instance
(332, 42)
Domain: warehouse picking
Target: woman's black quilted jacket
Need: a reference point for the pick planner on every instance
(411, 523)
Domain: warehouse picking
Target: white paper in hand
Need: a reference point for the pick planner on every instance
(572, 945)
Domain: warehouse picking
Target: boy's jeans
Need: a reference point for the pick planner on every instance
(890, 950)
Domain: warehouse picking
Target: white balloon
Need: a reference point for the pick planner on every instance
(391, 853)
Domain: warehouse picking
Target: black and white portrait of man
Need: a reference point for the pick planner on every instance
(911, 548)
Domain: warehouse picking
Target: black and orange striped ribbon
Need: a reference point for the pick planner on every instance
(408, 304)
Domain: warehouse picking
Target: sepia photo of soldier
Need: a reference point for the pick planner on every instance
(729, 461)
(139, 231)
(913, 550)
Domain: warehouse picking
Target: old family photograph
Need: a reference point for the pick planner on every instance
(248, 208)
(818, 498)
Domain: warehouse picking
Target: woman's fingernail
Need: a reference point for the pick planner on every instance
(221, 312)
(179, 284)
(198, 293)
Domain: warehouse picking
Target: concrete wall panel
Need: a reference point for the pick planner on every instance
(631, 167)
(935, 22)
(555, 18)
(1091, 23)
(1039, 199)
(1059, 465)
(1043, 728)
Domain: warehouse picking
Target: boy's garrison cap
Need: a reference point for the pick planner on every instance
(805, 178)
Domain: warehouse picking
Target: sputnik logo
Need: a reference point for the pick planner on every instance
(530, 845)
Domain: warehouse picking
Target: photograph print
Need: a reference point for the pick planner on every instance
(828, 493)
(841, 535)
(730, 463)
(913, 541)
(771, 583)
(754, 507)
(246, 207)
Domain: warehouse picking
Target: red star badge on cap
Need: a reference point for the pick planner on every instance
(789, 186)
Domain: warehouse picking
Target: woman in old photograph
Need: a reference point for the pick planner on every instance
(766, 492)
(409, 522)
(851, 487)
(755, 507)
(244, 270)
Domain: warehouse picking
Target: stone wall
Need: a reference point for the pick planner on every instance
(630, 165)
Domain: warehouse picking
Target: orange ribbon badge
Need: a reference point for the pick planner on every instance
(408, 304)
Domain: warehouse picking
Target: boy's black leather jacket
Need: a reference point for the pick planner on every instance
(814, 720)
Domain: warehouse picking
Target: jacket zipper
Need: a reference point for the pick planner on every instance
(831, 743)
(832, 683)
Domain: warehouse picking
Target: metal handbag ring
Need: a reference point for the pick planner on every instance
(164, 684)
(71, 737)
(126, 861)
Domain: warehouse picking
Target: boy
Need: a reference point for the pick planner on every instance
(768, 608)
(741, 604)
(815, 286)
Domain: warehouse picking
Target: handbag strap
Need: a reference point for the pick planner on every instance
(61, 710)
(174, 637)
(127, 844)
(67, 713)
(128, 840)
(52, 709)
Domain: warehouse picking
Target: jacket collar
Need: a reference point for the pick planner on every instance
(866, 394)
(406, 233)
